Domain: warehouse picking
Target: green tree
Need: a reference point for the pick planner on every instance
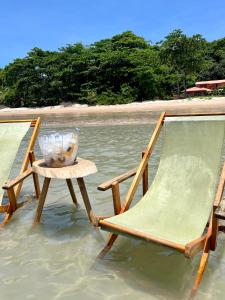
(185, 54)
(216, 61)
(120, 69)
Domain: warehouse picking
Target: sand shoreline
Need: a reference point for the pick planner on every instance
(184, 105)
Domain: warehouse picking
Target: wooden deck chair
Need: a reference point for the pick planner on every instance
(177, 210)
(11, 134)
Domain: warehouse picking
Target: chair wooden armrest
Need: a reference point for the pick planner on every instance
(114, 185)
(12, 182)
(108, 184)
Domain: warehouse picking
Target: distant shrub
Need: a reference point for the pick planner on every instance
(128, 93)
(11, 98)
(88, 96)
(219, 92)
(110, 98)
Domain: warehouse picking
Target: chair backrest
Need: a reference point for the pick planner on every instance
(184, 187)
(11, 135)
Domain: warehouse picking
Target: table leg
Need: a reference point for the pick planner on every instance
(42, 199)
(35, 175)
(85, 197)
(72, 193)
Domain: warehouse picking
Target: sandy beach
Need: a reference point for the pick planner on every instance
(184, 105)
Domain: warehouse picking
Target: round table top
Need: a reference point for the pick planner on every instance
(80, 168)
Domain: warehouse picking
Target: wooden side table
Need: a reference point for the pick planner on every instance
(78, 170)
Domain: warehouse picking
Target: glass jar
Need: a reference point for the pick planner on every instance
(59, 149)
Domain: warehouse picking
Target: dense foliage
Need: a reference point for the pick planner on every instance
(122, 69)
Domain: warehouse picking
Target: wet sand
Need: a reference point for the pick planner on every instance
(216, 104)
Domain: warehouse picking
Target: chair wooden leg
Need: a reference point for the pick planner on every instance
(12, 199)
(71, 189)
(9, 211)
(6, 219)
(85, 197)
(4, 208)
(108, 246)
(201, 269)
(42, 200)
(213, 240)
(11, 207)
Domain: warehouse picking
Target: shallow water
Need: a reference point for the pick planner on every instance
(57, 260)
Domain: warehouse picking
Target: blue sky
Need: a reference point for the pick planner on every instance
(50, 24)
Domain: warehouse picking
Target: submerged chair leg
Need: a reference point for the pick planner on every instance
(6, 219)
(11, 207)
(201, 269)
(108, 246)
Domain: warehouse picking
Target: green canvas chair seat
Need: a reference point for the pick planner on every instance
(12, 133)
(178, 209)
(177, 206)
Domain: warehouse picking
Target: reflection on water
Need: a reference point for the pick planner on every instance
(57, 260)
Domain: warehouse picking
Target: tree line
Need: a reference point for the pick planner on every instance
(121, 69)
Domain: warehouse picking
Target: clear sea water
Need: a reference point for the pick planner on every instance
(57, 259)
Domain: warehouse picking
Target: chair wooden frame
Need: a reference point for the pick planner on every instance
(13, 186)
(206, 243)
